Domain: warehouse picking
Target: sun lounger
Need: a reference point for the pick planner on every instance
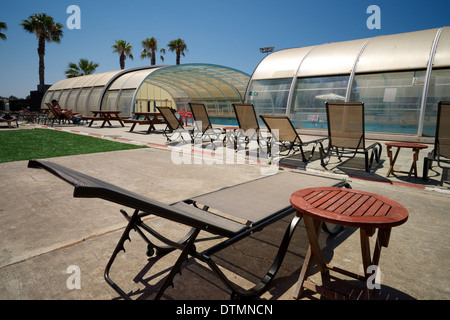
(201, 116)
(441, 151)
(284, 134)
(226, 212)
(54, 116)
(174, 126)
(346, 133)
(248, 123)
(9, 119)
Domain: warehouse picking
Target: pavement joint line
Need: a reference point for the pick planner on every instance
(62, 247)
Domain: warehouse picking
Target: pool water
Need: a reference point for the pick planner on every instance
(228, 121)
(222, 121)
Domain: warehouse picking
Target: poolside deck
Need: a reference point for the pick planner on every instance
(45, 230)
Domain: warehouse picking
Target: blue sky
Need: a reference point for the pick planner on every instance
(227, 33)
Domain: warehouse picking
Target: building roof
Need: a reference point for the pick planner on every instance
(405, 51)
(188, 81)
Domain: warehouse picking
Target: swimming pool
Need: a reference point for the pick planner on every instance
(405, 129)
(224, 121)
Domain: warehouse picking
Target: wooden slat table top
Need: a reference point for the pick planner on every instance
(349, 207)
(407, 145)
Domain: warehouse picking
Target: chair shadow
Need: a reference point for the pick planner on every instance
(248, 260)
(295, 160)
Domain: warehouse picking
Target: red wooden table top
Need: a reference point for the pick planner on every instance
(349, 207)
(407, 145)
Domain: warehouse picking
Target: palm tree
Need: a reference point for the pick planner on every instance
(3, 27)
(84, 67)
(178, 46)
(124, 49)
(150, 47)
(46, 30)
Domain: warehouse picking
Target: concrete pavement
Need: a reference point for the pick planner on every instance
(45, 231)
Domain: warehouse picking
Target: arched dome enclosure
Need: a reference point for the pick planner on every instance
(400, 78)
(145, 88)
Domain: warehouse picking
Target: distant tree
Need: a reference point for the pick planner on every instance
(46, 30)
(3, 26)
(179, 47)
(84, 67)
(123, 48)
(150, 47)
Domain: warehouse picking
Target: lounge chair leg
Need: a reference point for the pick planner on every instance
(120, 246)
(324, 158)
(427, 163)
(153, 249)
(177, 266)
(134, 224)
(366, 161)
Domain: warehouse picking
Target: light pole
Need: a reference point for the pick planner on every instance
(266, 50)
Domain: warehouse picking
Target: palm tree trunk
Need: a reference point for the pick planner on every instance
(122, 61)
(178, 57)
(41, 53)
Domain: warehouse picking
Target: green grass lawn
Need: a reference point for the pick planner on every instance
(16, 145)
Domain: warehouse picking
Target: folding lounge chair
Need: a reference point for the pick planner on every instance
(247, 121)
(9, 119)
(441, 141)
(346, 133)
(226, 212)
(54, 116)
(174, 126)
(201, 116)
(283, 133)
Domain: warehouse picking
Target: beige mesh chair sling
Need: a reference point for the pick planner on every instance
(346, 133)
(441, 151)
(227, 213)
(201, 116)
(247, 121)
(174, 126)
(283, 133)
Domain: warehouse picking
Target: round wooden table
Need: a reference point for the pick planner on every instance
(346, 207)
(416, 147)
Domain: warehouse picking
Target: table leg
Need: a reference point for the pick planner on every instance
(299, 289)
(152, 125)
(391, 161)
(365, 247)
(313, 228)
(105, 120)
(132, 126)
(414, 164)
(382, 241)
(120, 120)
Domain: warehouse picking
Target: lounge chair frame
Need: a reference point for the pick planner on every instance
(248, 124)
(54, 116)
(9, 120)
(201, 116)
(191, 213)
(441, 141)
(283, 132)
(174, 125)
(339, 140)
